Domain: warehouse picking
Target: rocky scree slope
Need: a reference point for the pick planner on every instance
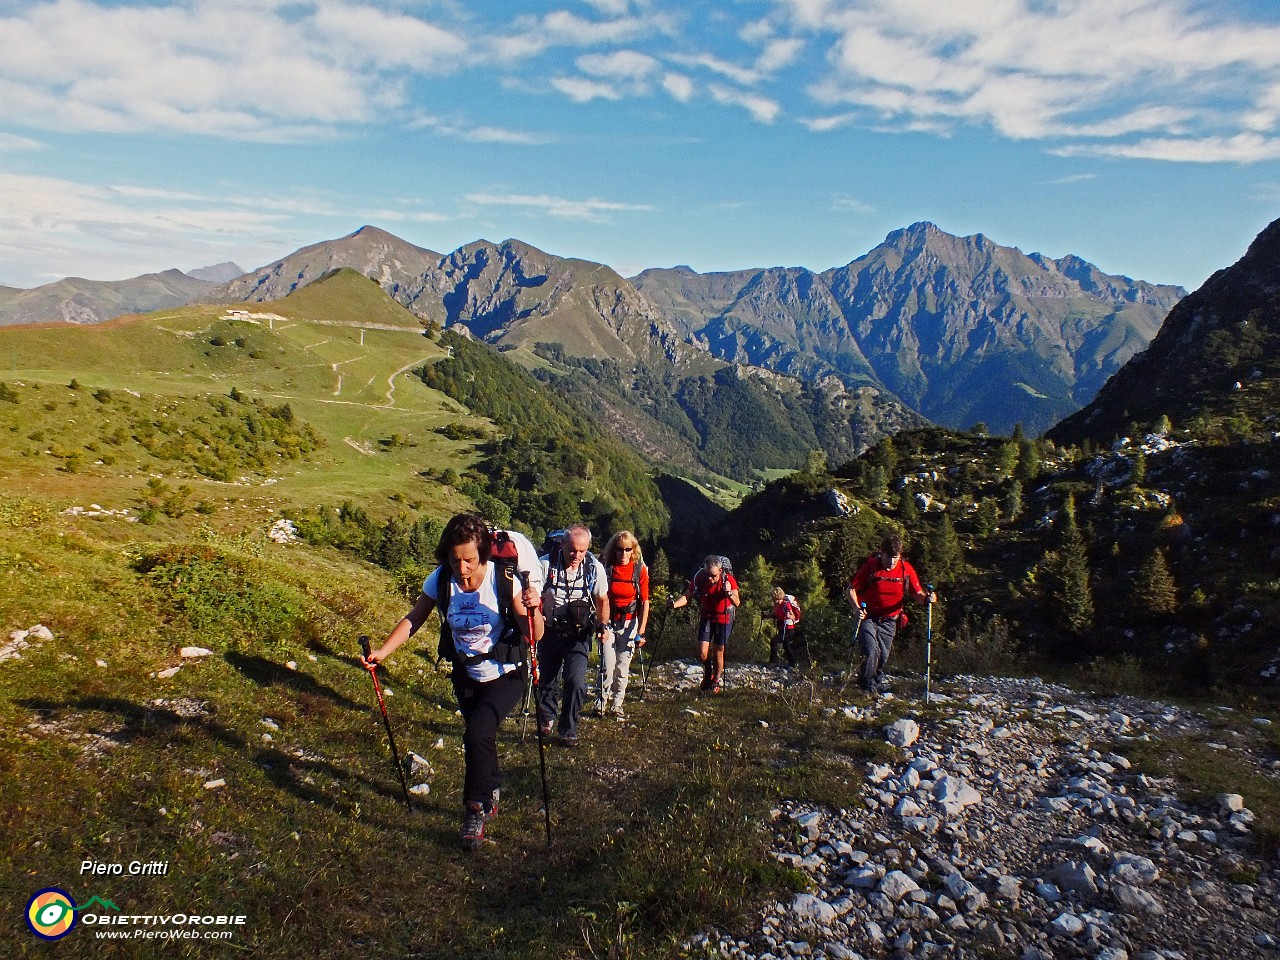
(1011, 825)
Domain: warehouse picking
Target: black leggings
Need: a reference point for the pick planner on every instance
(484, 706)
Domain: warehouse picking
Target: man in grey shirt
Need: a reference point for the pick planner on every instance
(575, 603)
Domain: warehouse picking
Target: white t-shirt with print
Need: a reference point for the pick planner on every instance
(475, 617)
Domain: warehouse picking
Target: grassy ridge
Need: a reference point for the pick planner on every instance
(338, 358)
(658, 826)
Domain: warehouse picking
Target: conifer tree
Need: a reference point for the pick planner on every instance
(757, 583)
(986, 518)
(944, 552)
(660, 569)
(886, 457)
(811, 588)
(1013, 500)
(1028, 460)
(908, 511)
(1138, 469)
(1070, 595)
(1155, 591)
(1007, 462)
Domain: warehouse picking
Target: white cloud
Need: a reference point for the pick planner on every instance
(757, 31)
(778, 54)
(1168, 72)
(1071, 179)
(12, 143)
(678, 86)
(847, 204)
(559, 207)
(1241, 148)
(582, 90)
(529, 36)
(761, 108)
(827, 124)
(223, 68)
(482, 133)
(51, 228)
(621, 64)
(745, 76)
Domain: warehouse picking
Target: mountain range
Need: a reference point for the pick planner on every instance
(957, 330)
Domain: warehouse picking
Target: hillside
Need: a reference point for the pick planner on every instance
(1218, 352)
(75, 300)
(116, 404)
(962, 330)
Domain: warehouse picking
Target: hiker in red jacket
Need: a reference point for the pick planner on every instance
(883, 583)
(717, 593)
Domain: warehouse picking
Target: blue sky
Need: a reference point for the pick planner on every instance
(1143, 135)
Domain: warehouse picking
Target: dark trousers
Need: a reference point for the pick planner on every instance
(484, 706)
(785, 638)
(875, 640)
(563, 652)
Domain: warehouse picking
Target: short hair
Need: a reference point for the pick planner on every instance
(713, 560)
(779, 593)
(465, 528)
(891, 544)
(571, 531)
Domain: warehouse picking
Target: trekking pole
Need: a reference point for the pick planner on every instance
(640, 654)
(542, 741)
(382, 705)
(928, 646)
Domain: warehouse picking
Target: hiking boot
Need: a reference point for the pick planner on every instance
(568, 739)
(706, 682)
(716, 686)
(472, 827)
(491, 808)
(545, 729)
(619, 713)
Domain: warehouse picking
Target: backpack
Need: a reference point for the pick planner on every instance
(881, 574)
(510, 556)
(580, 613)
(795, 607)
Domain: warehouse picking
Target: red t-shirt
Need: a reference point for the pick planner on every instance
(786, 612)
(714, 600)
(884, 591)
(622, 589)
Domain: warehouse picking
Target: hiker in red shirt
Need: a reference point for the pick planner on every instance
(717, 593)
(629, 616)
(786, 613)
(883, 583)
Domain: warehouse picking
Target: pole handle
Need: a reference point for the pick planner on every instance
(364, 645)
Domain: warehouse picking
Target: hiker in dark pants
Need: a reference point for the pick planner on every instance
(717, 593)
(576, 605)
(786, 613)
(883, 582)
(487, 617)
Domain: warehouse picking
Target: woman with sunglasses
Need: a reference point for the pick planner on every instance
(629, 616)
